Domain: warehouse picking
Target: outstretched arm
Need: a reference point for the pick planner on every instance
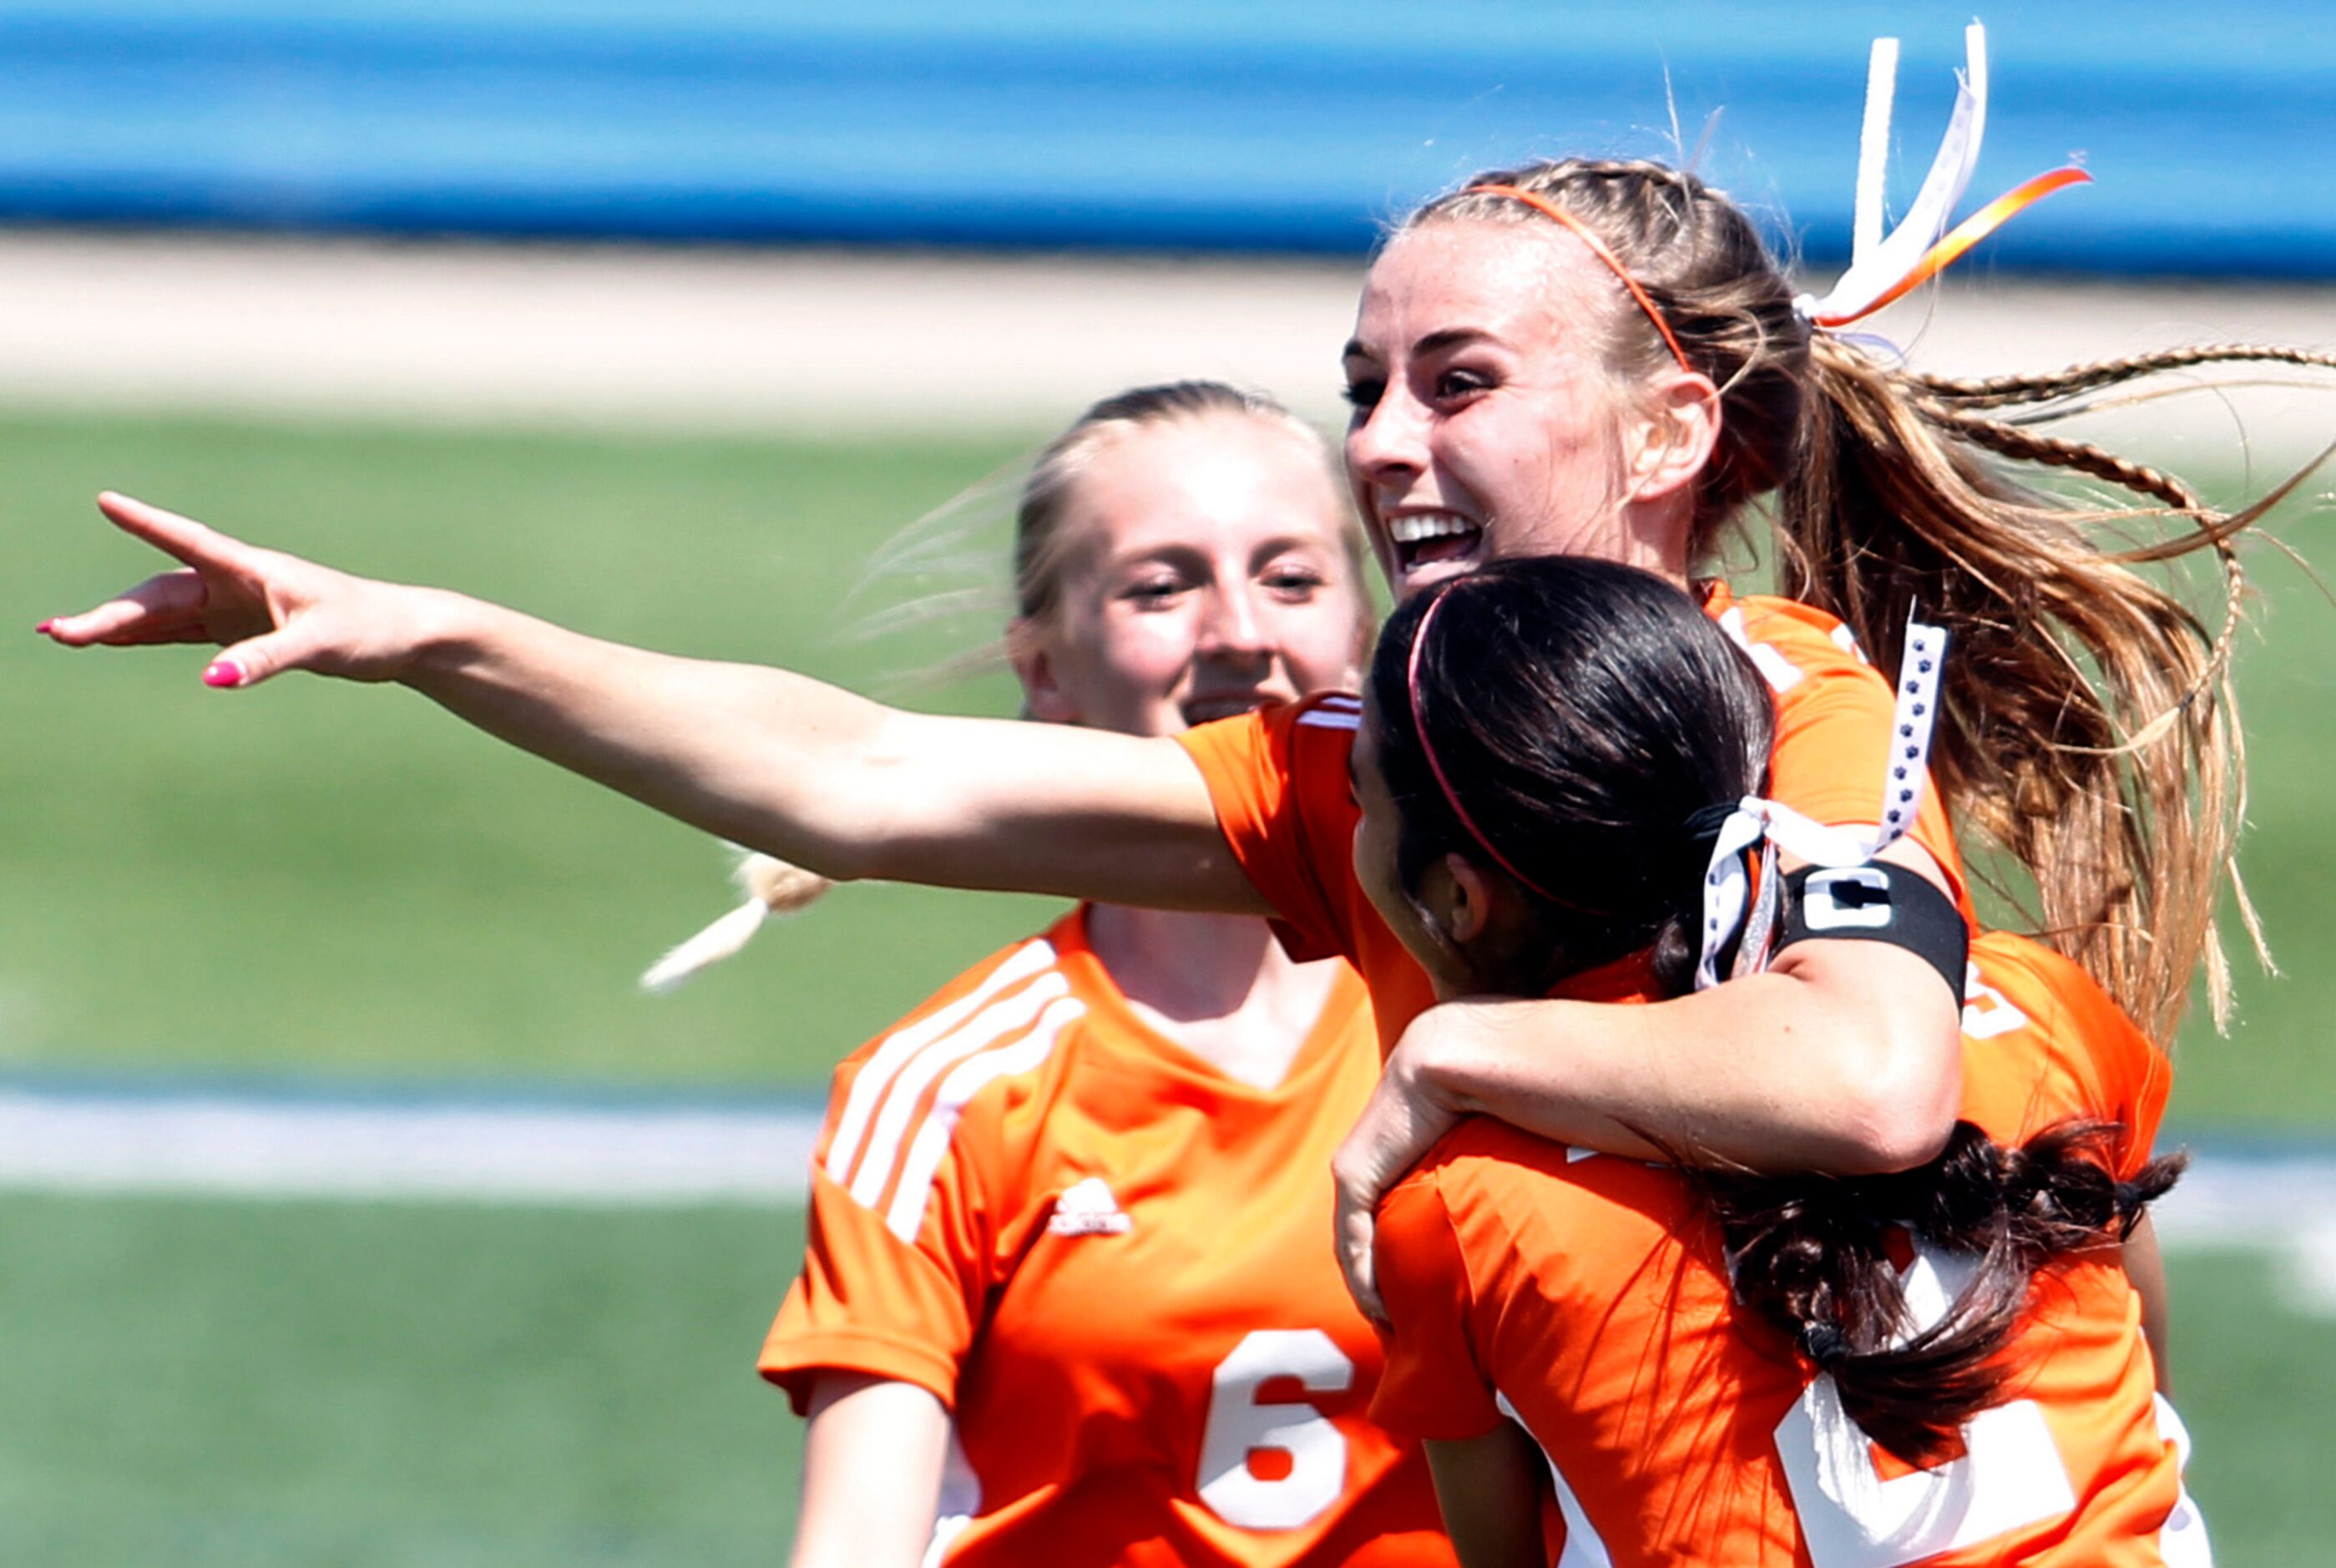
(776, 761)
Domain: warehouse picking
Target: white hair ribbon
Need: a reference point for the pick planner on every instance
(1883, 268)
(1730, 901)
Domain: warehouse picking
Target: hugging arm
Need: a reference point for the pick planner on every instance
(773, 760)
(1490, 1491)
(1842, 1056)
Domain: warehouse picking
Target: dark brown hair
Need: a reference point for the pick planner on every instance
(1586, 710)
(1592, 722)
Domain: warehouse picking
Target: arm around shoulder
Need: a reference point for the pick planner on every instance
(1843, 1057)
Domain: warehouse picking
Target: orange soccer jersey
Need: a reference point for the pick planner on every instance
(1278, 782)
(1588, 1297)
(1113, 1263)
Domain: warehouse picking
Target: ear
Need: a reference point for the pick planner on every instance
(1043, 696)
(1457, 900)
(1675, 442)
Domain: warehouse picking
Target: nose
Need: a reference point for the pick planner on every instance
(1230, 629)
(1386, 443)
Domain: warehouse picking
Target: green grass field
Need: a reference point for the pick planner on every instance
(315, 882)
(284, 1384)
(325, 881)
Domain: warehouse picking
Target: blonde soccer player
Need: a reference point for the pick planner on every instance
(1068, 1295)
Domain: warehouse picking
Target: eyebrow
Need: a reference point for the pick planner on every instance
(1434, 343)
(1451, 337)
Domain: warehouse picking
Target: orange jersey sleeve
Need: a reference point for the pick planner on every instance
(902, 1241)
(2043, 1044)
(1278, 778)
(1432, 1386)
(1279, 781)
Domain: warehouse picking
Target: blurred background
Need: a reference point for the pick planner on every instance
(356, 1206)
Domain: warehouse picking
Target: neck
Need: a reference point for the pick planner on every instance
(1219, 985)
(1655, 536)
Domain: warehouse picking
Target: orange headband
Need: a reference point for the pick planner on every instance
(1544, 206)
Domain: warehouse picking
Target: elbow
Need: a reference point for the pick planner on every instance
(1904, 1094)
(1895, 1133)
(1883, 1057)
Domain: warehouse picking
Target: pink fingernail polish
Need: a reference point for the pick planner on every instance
(43, 629)
(224, 672)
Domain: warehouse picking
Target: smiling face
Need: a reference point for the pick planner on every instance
(1486, 421)
(1205, 573)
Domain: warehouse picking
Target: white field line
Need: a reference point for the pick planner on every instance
(257, 1148)
(469, 1150)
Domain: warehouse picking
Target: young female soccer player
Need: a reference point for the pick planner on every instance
(1942, 1366)
(1068, 1217)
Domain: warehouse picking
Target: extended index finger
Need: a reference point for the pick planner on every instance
(189, 541)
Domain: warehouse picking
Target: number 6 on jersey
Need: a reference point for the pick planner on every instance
(1240, 1424)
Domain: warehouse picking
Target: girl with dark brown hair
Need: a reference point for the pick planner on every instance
(1704, 1367)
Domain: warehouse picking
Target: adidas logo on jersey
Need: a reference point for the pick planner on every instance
(1088, 1209)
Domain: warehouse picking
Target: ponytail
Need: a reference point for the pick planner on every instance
(2088, 726)
(1810, 1255)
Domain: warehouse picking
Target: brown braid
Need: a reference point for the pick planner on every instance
(2005, 391)
(2088, 724)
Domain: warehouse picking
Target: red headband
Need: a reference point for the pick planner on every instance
(1544, 206)
(1428, 750)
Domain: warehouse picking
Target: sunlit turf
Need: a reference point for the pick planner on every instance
(318, 880)
(282, 1385)
(2255, 1378)
(386, 1387)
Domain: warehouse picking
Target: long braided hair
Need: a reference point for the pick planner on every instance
(2089, 729)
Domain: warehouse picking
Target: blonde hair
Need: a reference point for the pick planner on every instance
(2088, 727)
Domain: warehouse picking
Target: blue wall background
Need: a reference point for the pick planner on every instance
(1271, 124)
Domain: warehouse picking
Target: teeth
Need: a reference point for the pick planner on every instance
(1419, 525)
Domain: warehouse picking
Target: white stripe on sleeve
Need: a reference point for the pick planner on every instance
(924, 1157)
(876, 1076)
(1008, 1016)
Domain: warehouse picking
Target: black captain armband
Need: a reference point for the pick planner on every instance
(1878, 902)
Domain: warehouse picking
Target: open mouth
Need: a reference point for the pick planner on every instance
(1426, 541)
